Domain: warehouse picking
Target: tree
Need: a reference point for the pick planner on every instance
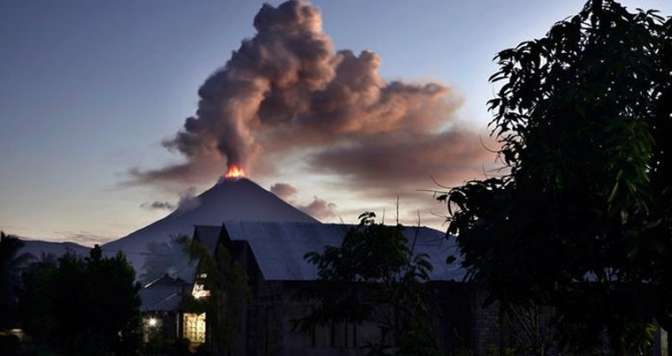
(227, 282)
(582, 219)
(85, 306)
(374, 276)
(10, 262)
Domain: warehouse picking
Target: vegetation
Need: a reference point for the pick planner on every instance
(10, 261)
(581, 220)
(227, 283)
(81, 306)
(374, 276)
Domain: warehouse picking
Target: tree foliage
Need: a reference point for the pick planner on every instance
(82, 306)
(582, 220)
(227, 282)
(10, 262)
(374, 276)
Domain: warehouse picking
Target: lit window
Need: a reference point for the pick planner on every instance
(194, 327)
(199, 291)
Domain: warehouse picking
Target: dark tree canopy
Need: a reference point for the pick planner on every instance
(229, 292)
(375, 276)
(582, 219)
(82, 306)
(10, 262)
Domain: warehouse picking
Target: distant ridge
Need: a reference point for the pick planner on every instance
(37, 248)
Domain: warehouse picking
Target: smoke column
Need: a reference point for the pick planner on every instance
(287, 88)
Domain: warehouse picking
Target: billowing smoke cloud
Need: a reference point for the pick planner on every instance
(287, 89)
(186, 202)
(158, 205)
(401, 163)
(319, 208)
(284, 191)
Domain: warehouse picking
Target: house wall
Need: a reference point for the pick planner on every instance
(268, 328)
(272, 331)
(460, 323)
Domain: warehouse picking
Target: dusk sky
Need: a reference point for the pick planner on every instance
(89, 90)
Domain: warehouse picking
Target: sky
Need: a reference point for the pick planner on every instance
(89, 90)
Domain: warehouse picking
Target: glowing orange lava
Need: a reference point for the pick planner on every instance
(235, 172)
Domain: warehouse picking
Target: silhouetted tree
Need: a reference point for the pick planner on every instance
(374, 276)
(10, 262)
(82, 306)
(227, 282)
(582, 219)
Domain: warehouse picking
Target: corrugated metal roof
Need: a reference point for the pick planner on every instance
(279, 248)
(164, 294)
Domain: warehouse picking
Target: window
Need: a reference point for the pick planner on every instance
(199, 291)
(194, 327)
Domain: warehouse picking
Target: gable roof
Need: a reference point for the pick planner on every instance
(208, 236)
(280, 247)
(163, 294)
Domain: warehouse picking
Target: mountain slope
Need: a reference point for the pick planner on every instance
(228, 200)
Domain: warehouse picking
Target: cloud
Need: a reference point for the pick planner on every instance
(319, 208)
(158, 205)
(287, 90)
(198, 170)
(284, 191)
(410, 167)
(387, 165)
(187, 201)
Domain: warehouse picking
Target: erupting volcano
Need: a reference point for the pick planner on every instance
(234, 172)
(233, 198)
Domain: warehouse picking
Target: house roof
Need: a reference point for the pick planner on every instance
(208, 236)
(163, 294)
(280, 247)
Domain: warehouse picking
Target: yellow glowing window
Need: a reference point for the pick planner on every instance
(199, 291)
(194, 327)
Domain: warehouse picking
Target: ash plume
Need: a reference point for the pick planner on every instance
(187, 201)
(158, 205)
(287, 89)
(319, 208)
(284, 191)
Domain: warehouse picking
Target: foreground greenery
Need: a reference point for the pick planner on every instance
(581, 218)
(81, 306)
(227, 283)
(10, 262)
(374, 276)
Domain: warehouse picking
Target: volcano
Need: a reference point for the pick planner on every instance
(231, 199)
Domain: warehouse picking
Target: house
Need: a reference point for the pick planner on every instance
(164, 319)
(272, 256)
